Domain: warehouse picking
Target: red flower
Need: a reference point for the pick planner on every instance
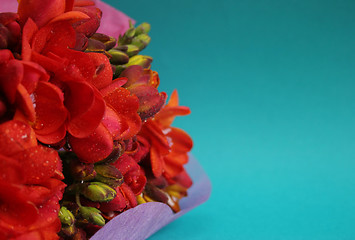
(143, 83)
(169, 145)
(30, 185)
(72, 92)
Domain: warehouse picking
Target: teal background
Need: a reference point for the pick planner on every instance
(271, 87)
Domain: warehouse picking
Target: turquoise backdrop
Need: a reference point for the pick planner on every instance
(271, 87)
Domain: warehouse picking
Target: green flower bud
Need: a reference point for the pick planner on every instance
(132, 50)
(118, 57)
(98, 192)
(130, 32)
(143, 28)
(140, 60)
(109, 174)
(92, 215)
(141, 41)
(122, 48)
(66, 217)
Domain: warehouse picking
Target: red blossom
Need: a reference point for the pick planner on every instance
(143, 83)
(70, 102)
(169, 145)
(30, 185)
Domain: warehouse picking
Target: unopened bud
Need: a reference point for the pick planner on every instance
(109, 174)
(130, 32)
(155, 193)
(142, 28)
(82, 171)
(140, 60)
(141, 41)
(118, 57)
(108, 41)
(66, 217)
(92, 215)
(132, 50)
(98, 192)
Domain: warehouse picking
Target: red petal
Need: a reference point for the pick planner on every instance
(86, 108)
(14, 207)
(118, 204)
(28, 31)
(41, 163)
(53, 137)
(133, 74)
(95, 147)
(129, 195)
(70, 17)
(156, 161)
(15, 136)
(8, 17)
(88, 27)
(126, 106)
(174, 165)
(11, 75)
(40, 11)
(181, 141)
(103, 76)
(24, 103)
(183, 179)
(5, 56)
(10, 170)
(32, 74)
(150, 100)
(167, 115)
(125, 164)
(50, 109)
(60, 34)
(49, 63)
(113, 123)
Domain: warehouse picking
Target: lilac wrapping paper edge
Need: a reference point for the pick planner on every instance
(146, 219)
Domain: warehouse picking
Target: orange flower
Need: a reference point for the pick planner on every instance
(169, 145)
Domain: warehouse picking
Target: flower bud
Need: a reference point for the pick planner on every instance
(140, 60)
(82, 171)
(132, 50)
(98, 192)
(142, 28)
(109, 174)
(118, 150)
(95, 45)
(92, 215)
(66, 217)
(118, 57)
(155, 193)
(127, 37)
(141, 41)
(122, 48)
(108, 41)
(130, 33)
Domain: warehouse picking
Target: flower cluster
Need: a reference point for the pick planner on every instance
(84, 132)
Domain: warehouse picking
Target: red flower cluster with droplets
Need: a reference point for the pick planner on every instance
(84, 132)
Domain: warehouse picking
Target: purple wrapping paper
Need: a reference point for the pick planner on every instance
(145, 219)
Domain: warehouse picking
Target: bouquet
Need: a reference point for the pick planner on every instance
(85, 135)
